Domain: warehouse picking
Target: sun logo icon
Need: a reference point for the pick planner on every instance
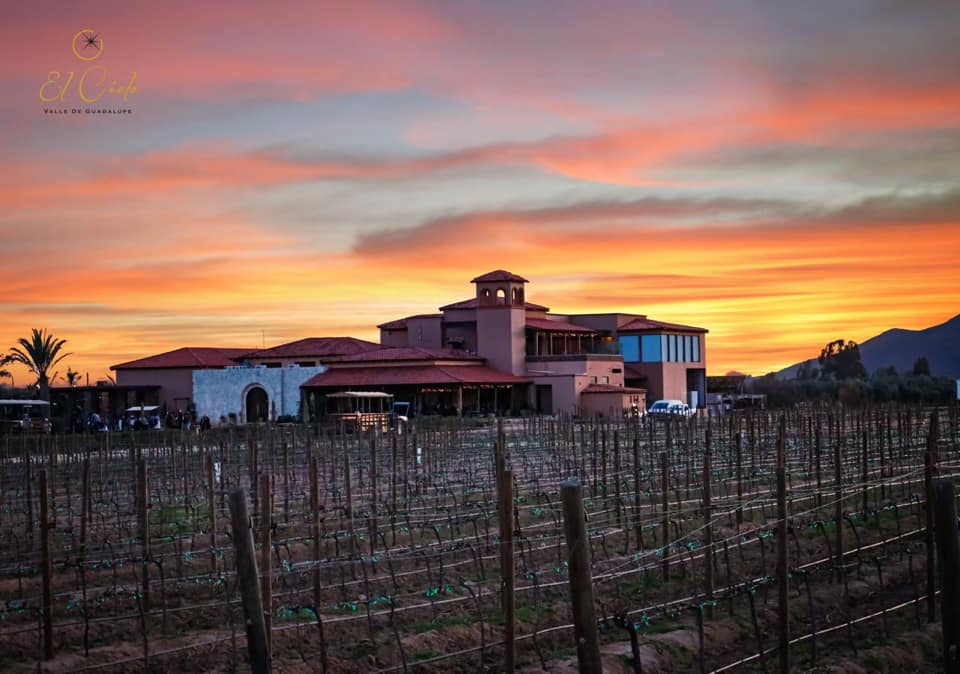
(87, 45)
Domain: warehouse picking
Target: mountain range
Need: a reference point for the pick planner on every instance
(940, 344)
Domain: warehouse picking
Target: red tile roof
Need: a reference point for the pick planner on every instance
(194, 357)
(401, 323)
(317, 347)
(499, 275)
(419, 375)
(611, 388)
(556, 326)
(393, 354)
(648, 324)
(473, 303)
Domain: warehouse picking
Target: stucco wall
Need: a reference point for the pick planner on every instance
(176, 384)
(466, 333)
(563, 390)
(424, 332)
(602, 322)
(393, 337)
(598, 367)
(610, 403)
(501, 338)
(219, 392)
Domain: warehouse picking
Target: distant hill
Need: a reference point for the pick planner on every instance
(901, 348)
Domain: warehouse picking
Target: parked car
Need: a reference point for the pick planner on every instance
(677, 407)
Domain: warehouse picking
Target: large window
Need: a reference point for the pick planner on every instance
(660, 348)
(630, 348)
(650, 348)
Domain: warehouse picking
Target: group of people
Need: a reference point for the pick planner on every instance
(137, 420)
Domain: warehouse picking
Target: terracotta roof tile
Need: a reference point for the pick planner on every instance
(648, 324)
(473, 303)
(499, 275)
(611, 388)
(556, 326)
(400, 353)
(421, 375)
(317, 347)
(196, 357)
(401, 323)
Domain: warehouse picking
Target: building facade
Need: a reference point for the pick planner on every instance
(172, 372)
(575, 362)
(493, 352)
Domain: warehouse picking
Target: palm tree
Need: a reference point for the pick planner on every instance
(5, 374)
(39, 353)
(72, 377)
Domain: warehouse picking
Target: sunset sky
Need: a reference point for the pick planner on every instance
(783, 174)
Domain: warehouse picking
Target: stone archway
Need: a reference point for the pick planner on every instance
(256, 405)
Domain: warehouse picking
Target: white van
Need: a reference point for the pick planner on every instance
(677, 407)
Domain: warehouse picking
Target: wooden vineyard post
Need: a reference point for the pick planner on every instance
(374, 476)
(637, 520)
(948, 551)
(249, 581)
(85, 507)
(315, 530)
(143, 524)
(46, 569)
(838, 508)
(286, 483)
(393, 482)
(708, 526)
(817, 452)
(499, 466)
(864, 474)
(739, 459)
(929, 459)
(616, 474)
(507, 574)
(665, 496)
(348, 510)
(212, 515)
(581, 583)
(783, 617)
(315, 535)
(266, 561)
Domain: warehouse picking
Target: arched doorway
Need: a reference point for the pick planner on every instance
(257, 405)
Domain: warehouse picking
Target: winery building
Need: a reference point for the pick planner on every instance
(494, 352)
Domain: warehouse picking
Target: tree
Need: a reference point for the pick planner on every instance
(39, 353)
(840, 359)
(72, 377)
(5, 374)
(921, 367)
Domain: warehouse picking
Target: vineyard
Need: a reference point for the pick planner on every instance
(737, 544)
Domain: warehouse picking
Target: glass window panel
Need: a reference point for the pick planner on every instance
(630, 348)
(650, 348)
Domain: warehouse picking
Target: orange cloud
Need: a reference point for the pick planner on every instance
(770, 294)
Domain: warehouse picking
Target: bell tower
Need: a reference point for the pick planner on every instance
(501, 320)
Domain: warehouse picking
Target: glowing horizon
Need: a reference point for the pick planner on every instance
(782, 175)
